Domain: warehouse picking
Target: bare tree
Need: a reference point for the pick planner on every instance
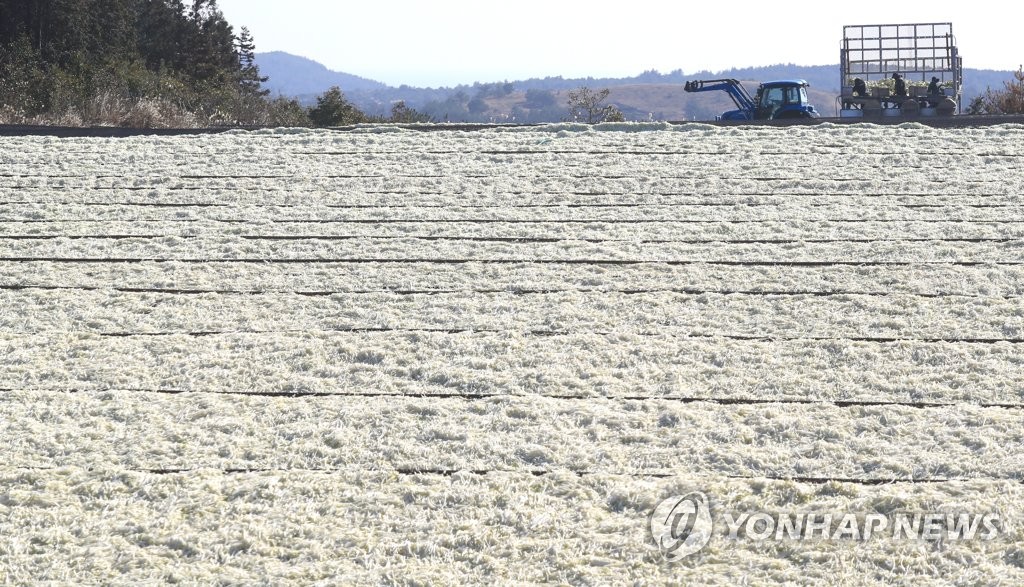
(586, 105)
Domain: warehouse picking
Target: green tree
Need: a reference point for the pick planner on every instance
(250, 105)
(211, 56)
(162, 31)
(249, 78)
(23, 79)
(403, 114)
(333, 109)
(586, 105)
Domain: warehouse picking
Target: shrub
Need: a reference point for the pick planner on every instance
(1008, 101)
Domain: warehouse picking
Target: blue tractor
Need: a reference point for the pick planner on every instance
(774, 100)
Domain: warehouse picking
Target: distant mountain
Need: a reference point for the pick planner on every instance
(291, 75)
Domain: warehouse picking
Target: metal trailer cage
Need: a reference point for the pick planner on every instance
(916, 51)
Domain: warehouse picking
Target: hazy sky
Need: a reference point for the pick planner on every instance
(447, 42)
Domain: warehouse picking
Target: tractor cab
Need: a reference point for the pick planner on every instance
(783, 99)
(778, 99)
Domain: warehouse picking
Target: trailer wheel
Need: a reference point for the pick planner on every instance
(946, 107)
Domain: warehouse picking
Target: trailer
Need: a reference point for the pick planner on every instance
(903, 70)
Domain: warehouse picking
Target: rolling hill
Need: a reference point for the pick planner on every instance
(291, 75)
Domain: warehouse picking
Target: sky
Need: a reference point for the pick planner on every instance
(449, 42)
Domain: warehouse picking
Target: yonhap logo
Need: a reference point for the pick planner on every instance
(681, 525)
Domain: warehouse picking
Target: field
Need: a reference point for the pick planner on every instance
(385, 356)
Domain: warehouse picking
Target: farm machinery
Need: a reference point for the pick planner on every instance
(893, 70)
(901, 70)
(774, 100)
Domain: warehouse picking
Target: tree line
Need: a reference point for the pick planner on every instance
(123, 61)
(143, 63)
